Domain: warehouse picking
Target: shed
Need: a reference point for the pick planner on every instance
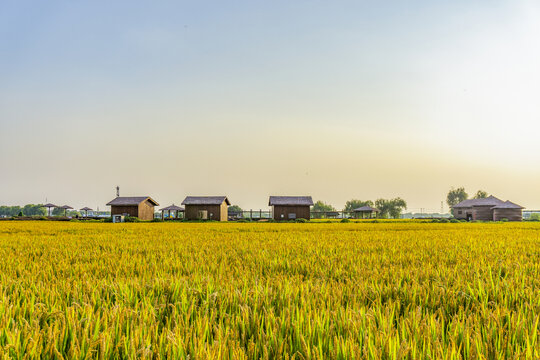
(487, 209)
(141, 207)
(366, 212)
(171, 210)
(206, 207)
(290, 207)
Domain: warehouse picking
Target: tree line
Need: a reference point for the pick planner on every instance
(33, 210)
(389, 208)
(26, 210)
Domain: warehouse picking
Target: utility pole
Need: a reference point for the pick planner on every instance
(117, 191)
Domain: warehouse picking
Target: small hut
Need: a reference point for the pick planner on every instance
(366, 212)
(290, 207)
(141, 207)
(66, 208)
(172, 210)
(48, 207)
(206, 208)
(86, 210)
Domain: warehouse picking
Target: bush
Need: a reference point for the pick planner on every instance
(453, 221)
(345, 221)
(301, 221)
(156, 220)
(108, 219)
(443, 220)
(131, 219)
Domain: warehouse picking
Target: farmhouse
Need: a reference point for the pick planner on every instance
(206, 207)
(488, 209)
(290, 207)
(141, 207)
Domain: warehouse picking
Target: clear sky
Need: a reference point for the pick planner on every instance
(334, 99)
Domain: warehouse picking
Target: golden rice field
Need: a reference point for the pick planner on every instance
(250, 291)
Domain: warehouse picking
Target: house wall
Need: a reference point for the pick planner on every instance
(461, 213)
(224, 211)
(132, 210)
(510, 214)
(483, 213)
(143, 211)
(146, 210)
(302, 212)
(215, 212)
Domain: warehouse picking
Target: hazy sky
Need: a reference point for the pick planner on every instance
(334, 99)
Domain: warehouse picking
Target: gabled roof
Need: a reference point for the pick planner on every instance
(366, 209)
(290, 200)
(66, 207)
(49, 205)
(86, 208)
(173, 208)
(489, 201)
(131, 200)
(205, 200)
(508, 205)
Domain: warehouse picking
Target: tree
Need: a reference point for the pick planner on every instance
(355, 204)
(34, 210)
(322, 207)
(481, 194)
(234, 208)
(455, 196)
(390, 208)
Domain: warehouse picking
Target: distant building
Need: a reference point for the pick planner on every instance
(206, 208)
(364, 212)
(141, 207)
(488, 209)
(290, 207)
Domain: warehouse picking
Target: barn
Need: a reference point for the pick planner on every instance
(290, 207)
(488, 209)
(206, 208)
(141, 207)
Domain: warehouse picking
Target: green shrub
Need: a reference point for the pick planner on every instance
(443, 220)
(156, 220)
(108, 219)
(301, 220)
(453, 221)
(345, 221)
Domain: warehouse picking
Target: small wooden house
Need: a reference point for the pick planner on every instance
(206, 208)
(488, 209)
(290, 207)
(141, 207)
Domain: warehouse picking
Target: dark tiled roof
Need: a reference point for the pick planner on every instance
(66, 207)
(508, 205)
(205, 200)
(366, 208)
(49, 205)
(489, 201)
(290, 200)
(173, 208)
(86, 209)
(131, 200)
